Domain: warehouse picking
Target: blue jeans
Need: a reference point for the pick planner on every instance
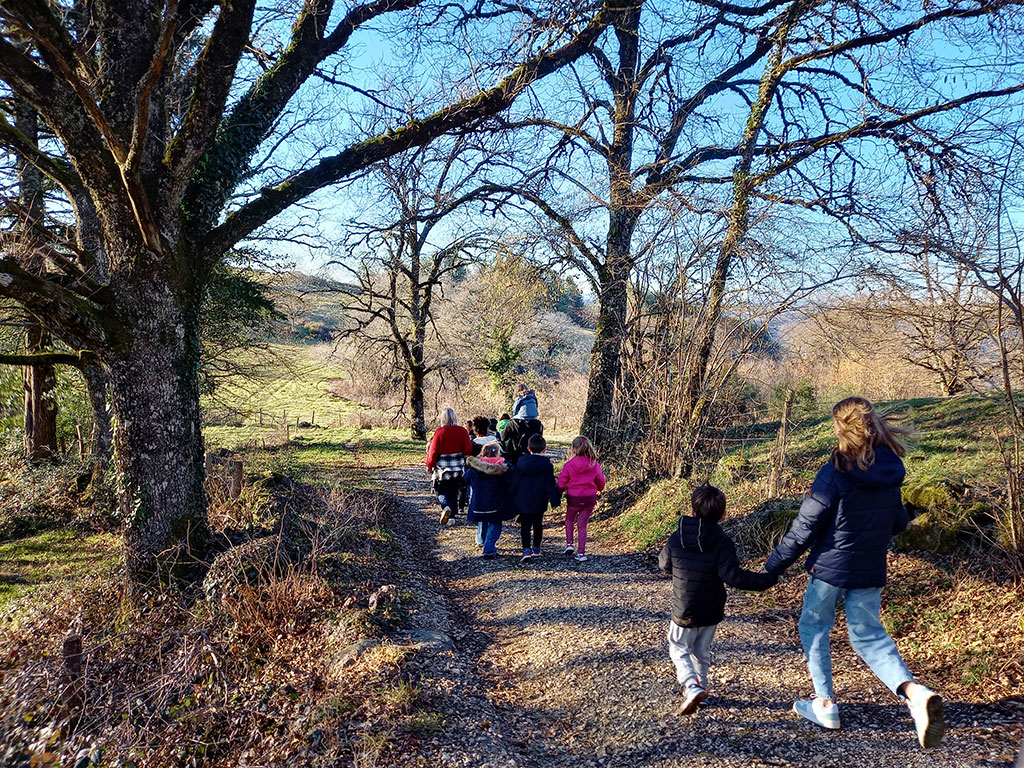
(490, 533)
(867, 635)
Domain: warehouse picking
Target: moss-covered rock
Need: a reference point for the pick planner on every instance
(768, 523)
(736, 467)
(941, 510)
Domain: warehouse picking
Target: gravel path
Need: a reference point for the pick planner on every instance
(559, 663)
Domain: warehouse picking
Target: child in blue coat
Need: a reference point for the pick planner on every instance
(845, 523)
(533, 487)
(489, 500)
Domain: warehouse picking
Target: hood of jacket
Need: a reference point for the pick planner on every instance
(533, 464)
(697, 534)
(886, 472)
(487, 469)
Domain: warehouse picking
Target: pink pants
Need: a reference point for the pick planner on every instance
(577, 514)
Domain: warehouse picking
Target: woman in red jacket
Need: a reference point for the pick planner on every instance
(446, 461)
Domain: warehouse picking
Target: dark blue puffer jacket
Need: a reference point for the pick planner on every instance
(846, 521)
(533, 485)
(489, 498)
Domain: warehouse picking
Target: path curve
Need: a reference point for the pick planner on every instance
(558, 663)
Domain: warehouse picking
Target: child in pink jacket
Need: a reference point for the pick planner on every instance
(582, 479)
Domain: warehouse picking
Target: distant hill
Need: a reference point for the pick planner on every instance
(312, 305)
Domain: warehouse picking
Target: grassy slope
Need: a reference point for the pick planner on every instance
(336, 449)
(954, 438)
(33, 562)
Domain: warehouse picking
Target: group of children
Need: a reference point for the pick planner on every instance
(497, 470)
(500, 490)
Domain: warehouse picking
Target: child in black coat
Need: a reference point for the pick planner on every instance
(533, 486)
(701, 559)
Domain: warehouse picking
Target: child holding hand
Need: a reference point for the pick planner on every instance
(582, 480)
(701, 559)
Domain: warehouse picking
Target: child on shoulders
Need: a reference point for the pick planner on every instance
(533, 487)
(582, 480)
(525, 404)
(701, 559)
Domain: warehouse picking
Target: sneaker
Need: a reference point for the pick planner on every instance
(569, 549)
(694, 696)
(527, 556)
(580, 557)
(535, 552)
(926, 709)
(818, 713)
(489, 555)
(446, 515)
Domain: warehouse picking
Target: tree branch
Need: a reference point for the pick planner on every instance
(77, 359)
(330, 170)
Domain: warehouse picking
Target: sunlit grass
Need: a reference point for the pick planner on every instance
(31, 562)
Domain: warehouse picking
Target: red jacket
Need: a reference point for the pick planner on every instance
(446, 441)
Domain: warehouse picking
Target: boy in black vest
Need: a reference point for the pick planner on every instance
(701, 559)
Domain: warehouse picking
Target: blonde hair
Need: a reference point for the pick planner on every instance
(581, 446)
(448, 418)
(860, 429)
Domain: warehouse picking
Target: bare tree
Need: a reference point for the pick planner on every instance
(654, 114)
(401, 264)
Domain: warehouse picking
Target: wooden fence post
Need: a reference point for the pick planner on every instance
(312, 418)
(779, 454)
(236, 479)
(208, 463)
(287, 432)
(261, 417)
(71, 680)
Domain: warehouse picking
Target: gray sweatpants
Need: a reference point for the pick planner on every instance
(690, 650)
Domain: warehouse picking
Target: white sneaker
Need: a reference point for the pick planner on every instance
(694, 696)
(926, 709)
(581, 558)
(818, 713)
(569, 549)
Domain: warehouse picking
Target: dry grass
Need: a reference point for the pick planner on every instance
(174, 679)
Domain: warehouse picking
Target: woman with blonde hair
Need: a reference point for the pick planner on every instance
(846, 520)
(446, 461)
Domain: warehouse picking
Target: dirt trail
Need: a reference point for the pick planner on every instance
(559, 663)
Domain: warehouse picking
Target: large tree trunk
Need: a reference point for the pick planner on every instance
(611, 329)
(158, 443)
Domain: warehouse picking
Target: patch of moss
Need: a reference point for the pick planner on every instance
(768, 523)
(941, 509)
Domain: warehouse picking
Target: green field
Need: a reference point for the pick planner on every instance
(335, 447)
